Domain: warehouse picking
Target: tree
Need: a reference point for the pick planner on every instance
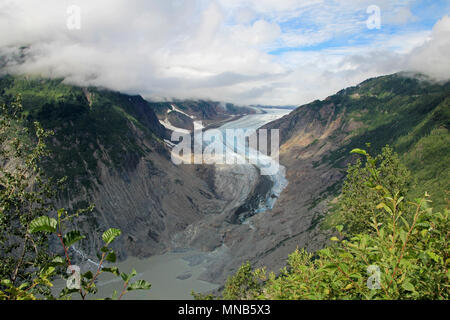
(358, 201)
(23, 196)
(28, 216)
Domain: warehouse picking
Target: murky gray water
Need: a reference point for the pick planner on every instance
(173, 276)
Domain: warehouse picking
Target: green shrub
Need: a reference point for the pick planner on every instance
(358, 201)
(405, 257)
(28, 216)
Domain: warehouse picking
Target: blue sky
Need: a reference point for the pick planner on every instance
(350, 22)
(274, 52)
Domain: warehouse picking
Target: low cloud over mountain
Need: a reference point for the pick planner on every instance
(246, 52)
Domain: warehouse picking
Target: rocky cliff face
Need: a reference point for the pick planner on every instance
(149, 203)
(266, 238)
(182, 114)
(154, 201)
(111, 146)
(315, 143)
(316, 140)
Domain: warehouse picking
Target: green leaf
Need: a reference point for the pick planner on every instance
(57, 261)
(359, 151)
(6, 282)
(44, 224)
(47, 271)
(139, 285)
(385, 207)
(113, 270)
(423, 224)
(400, 200)
(128, 277)
(105, 249)
(405, 222)
(331, 266)
(403, 235)
(110, 234)
(408, 286)
(334, 239)
(433, 256)
(23, 286)
(71, 237)
(111, 257)
(61, 212)
(88, 275)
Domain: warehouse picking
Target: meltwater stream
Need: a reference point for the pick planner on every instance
(174, 275)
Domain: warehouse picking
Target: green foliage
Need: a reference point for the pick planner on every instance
(359, 199)
(72, 237)
(23, 194)
(405, 257)
(27, 217)
(397, 109)
(139, 285)
(412, 259)
(44, 223)
(428, 160)
(109, 235)
(244, 284)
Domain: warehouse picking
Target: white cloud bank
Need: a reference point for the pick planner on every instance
(213, 49)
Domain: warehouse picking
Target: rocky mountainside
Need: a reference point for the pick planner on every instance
(182, 113)
(410, 113)
(111, 147)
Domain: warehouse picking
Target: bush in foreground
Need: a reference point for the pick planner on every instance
(405, 255)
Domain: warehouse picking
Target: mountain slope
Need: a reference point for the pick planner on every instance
(183, 113)
(111, 147)
(409, 113)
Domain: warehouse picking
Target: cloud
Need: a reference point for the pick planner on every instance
(219, 49)
(432, 57)
(259, 33)
(400, 16)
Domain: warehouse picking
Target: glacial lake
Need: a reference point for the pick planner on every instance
(171, 275)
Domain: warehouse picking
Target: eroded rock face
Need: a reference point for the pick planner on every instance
(266, 239)
(149, 204)
(230, 234)
(160, 206)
